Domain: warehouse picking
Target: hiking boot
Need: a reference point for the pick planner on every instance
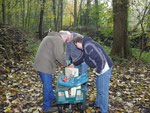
(92, 104)
(51, 110)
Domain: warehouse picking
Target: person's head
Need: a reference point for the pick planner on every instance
(66, 35)
(78, 42)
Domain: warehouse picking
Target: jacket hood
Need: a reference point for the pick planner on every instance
(86, 39)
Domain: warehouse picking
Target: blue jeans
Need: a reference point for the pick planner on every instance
(102, 87)
(83, 67)
(48, 94)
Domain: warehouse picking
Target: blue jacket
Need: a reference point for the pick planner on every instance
(94, 55)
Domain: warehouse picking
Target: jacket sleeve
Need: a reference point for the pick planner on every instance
(68, 51)
(59, 52)
(97, 56)
(79, 60)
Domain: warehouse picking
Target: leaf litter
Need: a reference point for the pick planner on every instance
(129, 90)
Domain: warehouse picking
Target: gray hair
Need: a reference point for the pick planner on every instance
(66, 34)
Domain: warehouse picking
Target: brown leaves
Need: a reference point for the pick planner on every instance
(129, 90)
(130, 87)
(13, 43)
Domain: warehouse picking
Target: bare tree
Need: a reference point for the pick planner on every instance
(141, 15)
(143, 41)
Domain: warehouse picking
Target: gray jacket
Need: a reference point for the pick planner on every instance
(71, 50)
(50, 52)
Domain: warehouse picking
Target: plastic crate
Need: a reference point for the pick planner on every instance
(73, 81)
(62, 96)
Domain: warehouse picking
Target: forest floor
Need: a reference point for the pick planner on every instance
(21, 91)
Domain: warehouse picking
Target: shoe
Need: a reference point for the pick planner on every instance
(92, 104)
(52, 109)
(54, 103)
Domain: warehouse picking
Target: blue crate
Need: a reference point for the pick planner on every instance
(74, 81)
(62, 87)
(63, 99)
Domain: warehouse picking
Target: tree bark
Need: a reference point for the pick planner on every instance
(75, 12)
(87, 12)
(120, 46)
(41, 21)
(23, 13)
(61, 17)
(3, 11)
(80, 13)
(58, 14)
(97, 13)
(54, 13)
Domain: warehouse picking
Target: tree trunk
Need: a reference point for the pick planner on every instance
(148, 24)
(120, 45)
(23, 13)
(17, 19)
(75, 12)
(29, 16)
(87, 12)
(97, 13)
(144, 43)
(80, 13)
(3, 11)
(58, 15)
(9, 14)
(41, 21)
(54, 13)
(61, 18)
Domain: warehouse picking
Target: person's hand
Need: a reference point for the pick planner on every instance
(67, 62)
(71, 66)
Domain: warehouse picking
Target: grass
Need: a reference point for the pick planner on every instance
(33, 45)
(145, 55)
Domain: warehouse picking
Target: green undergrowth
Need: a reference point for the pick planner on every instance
(34, 44)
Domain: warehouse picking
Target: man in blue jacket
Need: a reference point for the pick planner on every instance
(72, 52)
(95, 57)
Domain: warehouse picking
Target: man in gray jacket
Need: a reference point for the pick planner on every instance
(50, 52)
(72, 52)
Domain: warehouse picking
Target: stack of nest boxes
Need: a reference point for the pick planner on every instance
(72, 72)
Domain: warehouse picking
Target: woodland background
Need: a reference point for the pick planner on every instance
(122, 27)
